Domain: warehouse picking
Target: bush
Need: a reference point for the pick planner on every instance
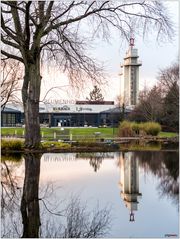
(54, 144)
(125, 129)
(128, 129)
(136, 127)
(152, 128)
(14, 144)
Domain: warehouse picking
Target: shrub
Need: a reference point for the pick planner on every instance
(54, 144)
(136, 127)
(128, 129)
(13, 144)
(152, 128)
(125, 129)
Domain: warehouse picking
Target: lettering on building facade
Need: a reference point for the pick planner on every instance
(83, 109)
(63, 108)
(60, 101)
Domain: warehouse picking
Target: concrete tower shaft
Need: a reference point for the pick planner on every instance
(131, 75)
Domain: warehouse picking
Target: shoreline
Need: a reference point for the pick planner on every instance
(124, 144)
(86, 149)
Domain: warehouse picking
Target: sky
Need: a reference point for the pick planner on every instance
(154, 56)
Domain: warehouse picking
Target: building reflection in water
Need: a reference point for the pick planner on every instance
(129, 182)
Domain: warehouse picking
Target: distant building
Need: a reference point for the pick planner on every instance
(11, 117)
(130, 75)
(76, 114)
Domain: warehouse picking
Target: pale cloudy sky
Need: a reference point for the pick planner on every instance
(154, 56)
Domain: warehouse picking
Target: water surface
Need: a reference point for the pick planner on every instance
(139, 191)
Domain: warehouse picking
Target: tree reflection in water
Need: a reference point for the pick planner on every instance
(95, 159)
(95, 162)
(30, 197)
(165, 165)
(74, 219)
(11, 191)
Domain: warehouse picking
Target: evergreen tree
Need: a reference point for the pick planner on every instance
(95, 95)
(171, 108)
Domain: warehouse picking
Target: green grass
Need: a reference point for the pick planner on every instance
(167, 134)
(107, 132)
(139, 147)
(49, 132)
(83, 133)
(12, 131)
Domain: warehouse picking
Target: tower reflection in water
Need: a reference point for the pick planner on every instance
(129, 182)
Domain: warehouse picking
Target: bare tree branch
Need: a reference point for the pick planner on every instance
(12, 56)
(10, 80)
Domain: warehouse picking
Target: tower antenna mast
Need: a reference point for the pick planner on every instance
(131, 40)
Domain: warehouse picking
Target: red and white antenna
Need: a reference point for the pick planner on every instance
(131, 39)
(131, 42)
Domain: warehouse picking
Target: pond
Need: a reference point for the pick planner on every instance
(119, 194)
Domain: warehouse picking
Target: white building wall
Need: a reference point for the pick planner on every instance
(67, 108)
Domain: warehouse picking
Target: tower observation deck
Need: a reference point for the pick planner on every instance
(131, 75)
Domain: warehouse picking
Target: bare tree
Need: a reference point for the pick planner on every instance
(11, 75)
(122, 102)
(171, 108)
(150, 105)
(32, 30)
(168, 77)
(169, 83)
(95, 94)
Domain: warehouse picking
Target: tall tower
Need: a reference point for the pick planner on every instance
(131, 75)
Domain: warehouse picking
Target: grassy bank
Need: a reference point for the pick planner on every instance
(12, 145)
(81, 133)
(167, 134)
(17, 145)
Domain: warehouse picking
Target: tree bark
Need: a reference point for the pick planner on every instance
(30, 97)
(30, 198)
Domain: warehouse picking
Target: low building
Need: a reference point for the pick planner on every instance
(80, 114)
(10, 117)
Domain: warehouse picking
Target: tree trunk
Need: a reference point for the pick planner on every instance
(30, 198)
(30, 97)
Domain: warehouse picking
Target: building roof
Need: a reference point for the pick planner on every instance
(76, 108)
(10, 110)
(94, 102)
(116, 110)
